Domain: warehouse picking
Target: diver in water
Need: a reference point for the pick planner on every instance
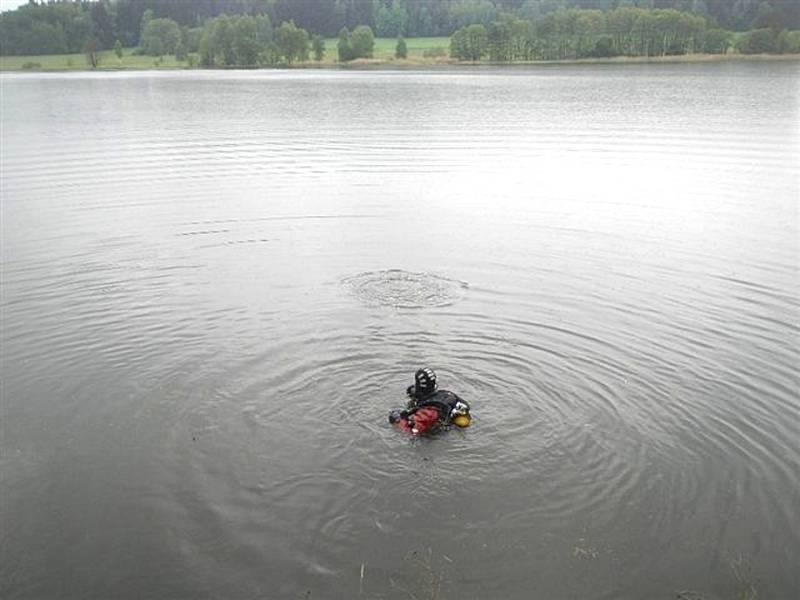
(430, 408)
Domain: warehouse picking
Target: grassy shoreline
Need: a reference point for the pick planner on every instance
(384, 60)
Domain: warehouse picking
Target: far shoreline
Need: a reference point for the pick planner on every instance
(384, 64)
(379, 64)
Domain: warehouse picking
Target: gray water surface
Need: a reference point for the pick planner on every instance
(215, 286)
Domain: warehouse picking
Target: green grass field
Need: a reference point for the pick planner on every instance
(78, 62)
(384, 50)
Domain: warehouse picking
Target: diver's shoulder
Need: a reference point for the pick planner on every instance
(445, 395)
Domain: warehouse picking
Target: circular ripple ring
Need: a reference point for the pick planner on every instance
(405, 289)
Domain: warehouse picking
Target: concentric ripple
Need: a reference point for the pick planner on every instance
(199, 353)
(405, 289)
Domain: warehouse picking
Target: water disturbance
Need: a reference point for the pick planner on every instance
(403, 289)
(215, 285)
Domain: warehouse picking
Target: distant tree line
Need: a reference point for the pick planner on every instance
(232, 41)
(625, 31)
(59, 26)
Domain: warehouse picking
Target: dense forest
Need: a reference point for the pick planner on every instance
(625, 31)
(526, 28)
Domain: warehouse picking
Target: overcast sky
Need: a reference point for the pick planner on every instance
(11, 4)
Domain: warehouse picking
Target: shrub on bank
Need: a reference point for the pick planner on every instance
(789, 42)
(760, 41)
(358, 44)
(401, 49)
(769, 41)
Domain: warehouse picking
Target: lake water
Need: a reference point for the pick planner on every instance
(215, 286)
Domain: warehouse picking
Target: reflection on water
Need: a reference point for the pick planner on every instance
(216, 285)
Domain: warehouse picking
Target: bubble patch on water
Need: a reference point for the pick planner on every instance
(405, 289)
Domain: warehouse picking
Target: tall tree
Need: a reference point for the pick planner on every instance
(760, 41)
(246, 46)
(292, 42)
(160, 36)
(318, 47)
(401, 49)
(362, 41)
(102, 24)
(391, 19)
(469, 43)
(343, 48)
(716, 41)
(92, 58)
